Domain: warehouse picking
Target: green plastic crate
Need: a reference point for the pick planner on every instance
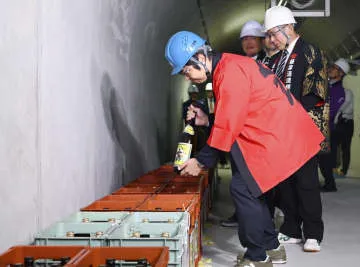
(97, 217)
(159, 217)
(84, 234)
(174, 236)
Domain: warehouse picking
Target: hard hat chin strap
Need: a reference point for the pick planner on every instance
(196, 61)
(286, 36)
(204, 49)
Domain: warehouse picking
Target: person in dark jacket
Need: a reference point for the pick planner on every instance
(327, 162)
(302, 68)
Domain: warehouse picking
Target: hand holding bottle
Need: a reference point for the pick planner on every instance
(201, 118)
(190, 167)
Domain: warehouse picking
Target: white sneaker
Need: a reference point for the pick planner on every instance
(312, 245)
(284, 239)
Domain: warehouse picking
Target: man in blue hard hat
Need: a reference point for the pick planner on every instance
(256, 121)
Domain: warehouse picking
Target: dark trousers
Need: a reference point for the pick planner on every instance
(326, 168)
(301, 203)
(345, 134)
(222, 158)
(256, 229)
(327, 161)
(272, 200)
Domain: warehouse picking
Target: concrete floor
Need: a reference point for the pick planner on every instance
(340, 247)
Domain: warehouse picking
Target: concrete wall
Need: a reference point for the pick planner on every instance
(87, 103)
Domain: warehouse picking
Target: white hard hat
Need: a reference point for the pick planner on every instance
(208, 87)
(252, 28)
(193, 89)
(343, 65)
(278, 15)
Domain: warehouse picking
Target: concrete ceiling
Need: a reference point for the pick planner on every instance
(224, 19)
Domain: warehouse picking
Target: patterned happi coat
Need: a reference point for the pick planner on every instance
(305, 75)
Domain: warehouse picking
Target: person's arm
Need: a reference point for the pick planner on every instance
(208, 156)
(349, 98)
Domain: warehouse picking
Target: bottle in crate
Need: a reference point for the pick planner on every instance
(110, 263)
(28, 262)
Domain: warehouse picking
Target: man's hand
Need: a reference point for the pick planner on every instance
(201, 119)
(190, 167)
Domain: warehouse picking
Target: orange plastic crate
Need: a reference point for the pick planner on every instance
(135, 188)
(122, 202)
(177, 202)
(112, 206)
(172, 189)
(153, 179)
(212, 186)
(187, 179)
(126, 197)
(18, 253)
(205, 174)
(195, 245)
(156, 256)
(191, 179)
(182, 188)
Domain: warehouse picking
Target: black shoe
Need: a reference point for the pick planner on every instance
(328, 188)
(230, 222)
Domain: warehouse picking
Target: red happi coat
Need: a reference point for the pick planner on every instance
(254, 109)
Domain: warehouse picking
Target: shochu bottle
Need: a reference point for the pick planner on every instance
(183, 151)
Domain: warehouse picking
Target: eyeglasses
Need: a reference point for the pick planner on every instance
(273, 34)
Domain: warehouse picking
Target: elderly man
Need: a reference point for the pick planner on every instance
(302, 68)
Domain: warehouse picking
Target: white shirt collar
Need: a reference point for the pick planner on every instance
(292, 45)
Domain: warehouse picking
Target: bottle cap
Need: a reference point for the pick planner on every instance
(70, 234)
(136, 234)
(99, 233)
(112, 220)
(165, 234)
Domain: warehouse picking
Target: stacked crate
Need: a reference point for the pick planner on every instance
(147, 229)
(158, 209)
(121, 257)
(47, 255)
(72, 256)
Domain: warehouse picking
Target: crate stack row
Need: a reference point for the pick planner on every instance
(80, 256)
(159, 211)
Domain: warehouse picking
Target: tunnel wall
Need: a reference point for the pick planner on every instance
(87, 103)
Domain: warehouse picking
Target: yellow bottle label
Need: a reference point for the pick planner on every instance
(183, 153)
(189, 130)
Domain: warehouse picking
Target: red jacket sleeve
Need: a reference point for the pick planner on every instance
(232, 92)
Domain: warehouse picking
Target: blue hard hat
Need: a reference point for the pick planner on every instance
(180, 48)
